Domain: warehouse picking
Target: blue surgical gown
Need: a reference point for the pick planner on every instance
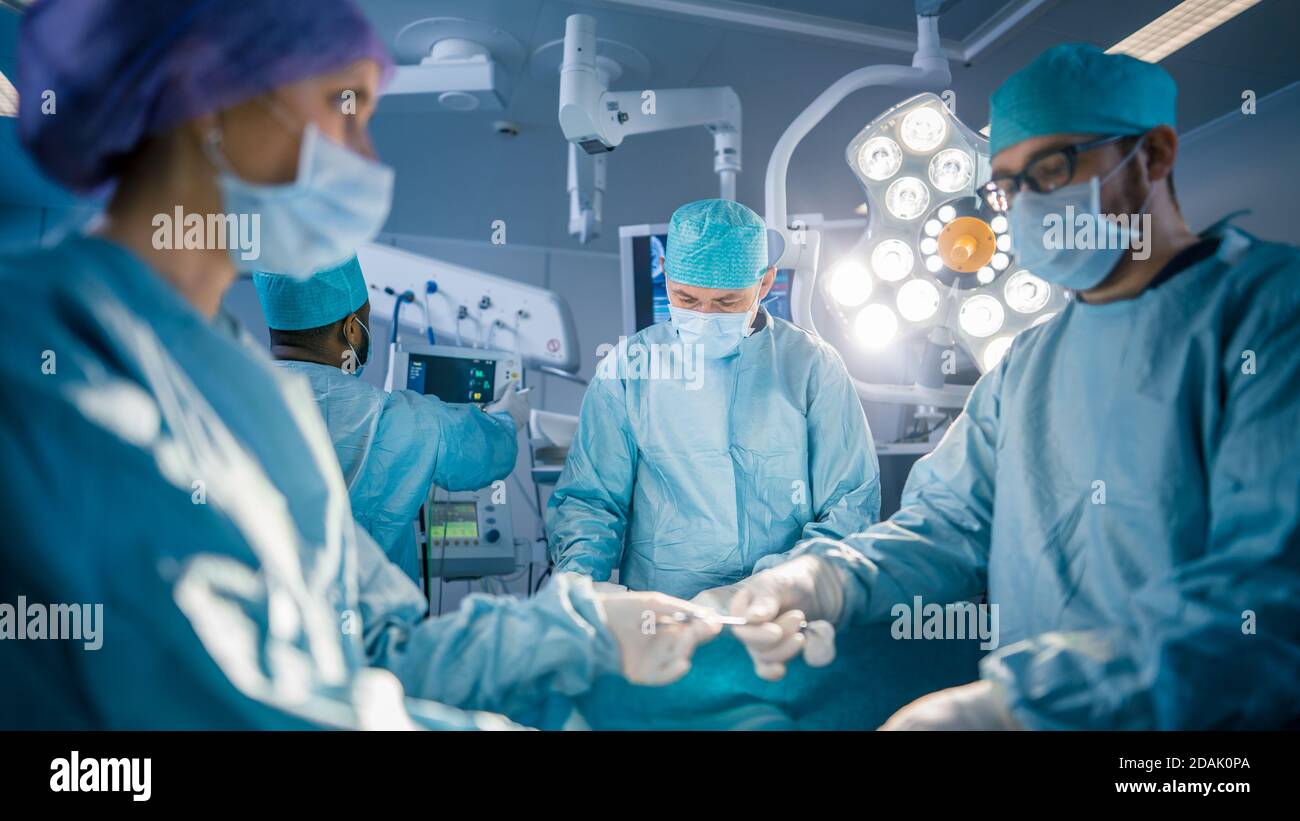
(393, 446)
(1125, 486)
(159, 468)
(695, 482)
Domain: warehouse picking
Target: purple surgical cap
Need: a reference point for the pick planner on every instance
(121, 70)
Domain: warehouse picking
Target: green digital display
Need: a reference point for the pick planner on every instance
(453, 520)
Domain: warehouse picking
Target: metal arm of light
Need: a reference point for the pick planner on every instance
(597, 119)
(800, 246)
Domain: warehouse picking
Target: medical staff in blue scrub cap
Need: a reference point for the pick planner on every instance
(1122, 486)
(688, 480)
(392, 446)
(165, 470)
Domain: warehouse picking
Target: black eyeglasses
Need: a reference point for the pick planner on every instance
(1043, 174)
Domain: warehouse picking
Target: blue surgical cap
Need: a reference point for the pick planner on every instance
(112, 72)
(328, 296)
(1076, 88)
(716, 244)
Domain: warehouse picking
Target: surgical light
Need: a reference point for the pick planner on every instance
(1026, 293)
(907, 198)
(875, 326)
(850, 284)
(892, 260)
(981, 316)
(880, 158)
(918, 300)
(951, 170)
(931, 241)
(923, 129)
(994, 352)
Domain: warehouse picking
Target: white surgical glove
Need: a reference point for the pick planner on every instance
(777, 603)
(513, 403)
(977, 706)
(654, 652)
(716, 598)
(608, 587)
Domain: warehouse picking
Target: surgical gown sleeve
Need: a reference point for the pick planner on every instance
(421, 441)
(843, 469)
(937, 544)
(1215, 643)
(524, 658)
(588, 512)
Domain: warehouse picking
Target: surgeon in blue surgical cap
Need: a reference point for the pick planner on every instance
(392, 446)
(164, 469)
(1123, 484)
(687, 480)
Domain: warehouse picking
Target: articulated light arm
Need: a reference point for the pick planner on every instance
(596, 119)
(800, 246)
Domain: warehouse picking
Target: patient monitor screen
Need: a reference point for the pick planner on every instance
(453, 520)
(452, 379)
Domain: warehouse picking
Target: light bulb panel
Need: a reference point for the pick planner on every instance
(920, 140)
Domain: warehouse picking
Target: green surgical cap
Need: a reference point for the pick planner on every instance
(716, 244)
(1077, 88)
(327, 296)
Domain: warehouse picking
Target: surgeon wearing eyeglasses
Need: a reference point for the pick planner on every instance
(1123, 484)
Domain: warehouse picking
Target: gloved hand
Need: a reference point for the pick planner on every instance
(777, 603)
(716, 598)
(608, 587)
(513, 403)
(977, 706)
(654, 652)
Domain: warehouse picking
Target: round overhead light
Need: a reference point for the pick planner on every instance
(947, 213)
(1004, 242)
(880, 158)
(999, 224)
(907, 198)
(918, 300)
(981, 315)
(892, 260)
(933, 264)
(994, 352)
(1000, 261)
(951, 170)
(933, 227)
(985, 275)
(1026, 293)
(850, 284)
(923, 129)
(929, 245)
(875, 326)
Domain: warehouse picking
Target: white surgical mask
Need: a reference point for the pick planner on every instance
(718, 334)
(1078, 269)
(338, 201)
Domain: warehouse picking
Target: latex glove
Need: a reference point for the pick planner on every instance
(655, 653)
(777, 602)
(977, 706)
(608, 587)
(716, 598)
(513, 403)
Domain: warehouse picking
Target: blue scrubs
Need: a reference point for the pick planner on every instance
(695, 482)
(393, 446)
(171, 474)
(1124, 487)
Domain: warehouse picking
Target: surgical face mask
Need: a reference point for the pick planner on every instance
(339, 201)
(357, 357)
(718, 334)
(1033, 217)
